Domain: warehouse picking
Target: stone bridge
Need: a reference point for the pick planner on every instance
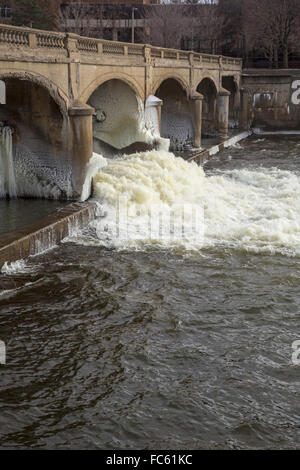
(63, 94)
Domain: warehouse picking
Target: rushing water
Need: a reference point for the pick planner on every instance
(157, 343)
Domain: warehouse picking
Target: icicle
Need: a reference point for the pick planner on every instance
(8, 185)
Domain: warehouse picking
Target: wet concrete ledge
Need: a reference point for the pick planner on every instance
(203, 156)
(46, 232)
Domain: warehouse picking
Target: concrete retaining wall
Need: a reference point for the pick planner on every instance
(45, 233)
(202, 157)
(270, 99)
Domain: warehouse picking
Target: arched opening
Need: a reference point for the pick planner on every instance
(176, 118)
(33, 146)
(118, 121)
(207, 88)
(229, 84)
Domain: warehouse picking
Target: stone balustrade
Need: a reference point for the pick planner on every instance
(13, 36)
(69, 69)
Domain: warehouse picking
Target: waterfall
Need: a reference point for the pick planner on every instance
(7, 174)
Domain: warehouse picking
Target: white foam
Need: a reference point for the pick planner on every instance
(15, 267)
(257, 209)
(237, 138)
(214, 150)
(151, 114)
(96, 163)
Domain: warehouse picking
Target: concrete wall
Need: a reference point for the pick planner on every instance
(45, 233)
(270, 99)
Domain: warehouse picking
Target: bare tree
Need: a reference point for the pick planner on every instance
(172, 20)
(272, 26)
(83, 18)
(206, 20)
(35, 13)
(166, 24)
(74, 17)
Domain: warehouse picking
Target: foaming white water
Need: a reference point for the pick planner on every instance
(146, 200)
(15, 267)
(256, 210)
(96, 163)
(7, 174)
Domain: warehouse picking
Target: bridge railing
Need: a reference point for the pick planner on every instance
(13, 36)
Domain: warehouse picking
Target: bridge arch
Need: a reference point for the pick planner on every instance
(36, 111)
(169, 76)
(101, 79)
(229, 82)
(118, 117)
(58, 95)
(176, 116)
(211, 78)
(208, 88)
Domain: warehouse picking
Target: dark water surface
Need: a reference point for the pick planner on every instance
(16, 213)
(155, 349)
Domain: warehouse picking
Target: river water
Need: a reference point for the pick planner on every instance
(16, 213)
(157, 343)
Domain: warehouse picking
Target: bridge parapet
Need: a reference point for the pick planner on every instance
(13, 36)
(17, 36)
